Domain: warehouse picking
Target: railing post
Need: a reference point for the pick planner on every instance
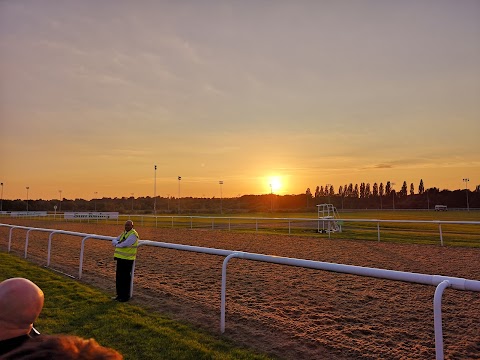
(213, 222)
(49, 249)
(441, 235)
(224, 290)
(26, 242)
(378, 231)
(437, 318)
(191, 222)
(288, 227)
(80, 267)
(131, 280)
(229, 224)
(10, 238)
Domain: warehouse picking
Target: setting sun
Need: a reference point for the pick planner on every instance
(275, 183)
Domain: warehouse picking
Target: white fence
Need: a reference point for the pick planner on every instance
(440, 282)
(250, 223)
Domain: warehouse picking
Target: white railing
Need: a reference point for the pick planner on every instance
(441, 282)
(290, 221)
(52, 232)
(229, 223)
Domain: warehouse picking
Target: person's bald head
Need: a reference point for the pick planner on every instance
(21, 301)
(128, 225)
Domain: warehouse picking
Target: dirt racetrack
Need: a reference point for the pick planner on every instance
(289, 312)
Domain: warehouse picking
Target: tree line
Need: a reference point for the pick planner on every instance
(348, 196)
(365, 191)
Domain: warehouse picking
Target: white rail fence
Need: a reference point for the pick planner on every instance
(439, 281)
(245, 223)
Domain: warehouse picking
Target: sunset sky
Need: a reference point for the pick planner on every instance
(296, 94)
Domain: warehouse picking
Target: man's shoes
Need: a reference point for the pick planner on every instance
(115, 298)
(123, 299)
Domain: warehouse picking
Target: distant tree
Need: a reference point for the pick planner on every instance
(317, 192)
(375, 189)
(356, 193)
(362, 190)
(477, 189)
(403, 191)
(421, 188)
(388, 188)
(345, 190)
(380, 193)
(368, 193)
(340, 190)
(412, 189)
(308, 194)
(331, 191)
(350, 190)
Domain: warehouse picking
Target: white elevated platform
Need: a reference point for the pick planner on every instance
(327, 213)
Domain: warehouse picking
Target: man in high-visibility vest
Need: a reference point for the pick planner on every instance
(125, 252)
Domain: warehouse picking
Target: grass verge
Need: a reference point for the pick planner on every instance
(77, 309)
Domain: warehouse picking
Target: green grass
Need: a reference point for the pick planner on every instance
(413, 233)
(77, 309)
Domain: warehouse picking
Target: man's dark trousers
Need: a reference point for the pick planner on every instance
(123, 278)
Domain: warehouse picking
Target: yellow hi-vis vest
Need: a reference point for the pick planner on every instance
(129, 252)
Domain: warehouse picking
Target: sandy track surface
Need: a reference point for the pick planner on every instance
(290, 312)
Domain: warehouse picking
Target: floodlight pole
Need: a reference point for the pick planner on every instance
(27, 197)
(132, 202)
(1, 198)
(95, 200)
(60, 205)
(155, 192)
(466, 180)
(221, 183)
(178, 204)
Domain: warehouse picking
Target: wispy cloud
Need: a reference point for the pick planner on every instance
(383, 166)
